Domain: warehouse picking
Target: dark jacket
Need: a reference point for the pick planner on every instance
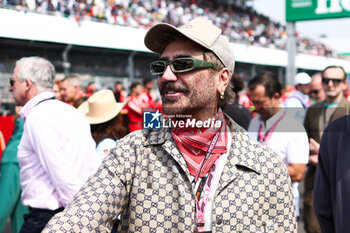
(240, 114)
(332, 179)
(314, 114)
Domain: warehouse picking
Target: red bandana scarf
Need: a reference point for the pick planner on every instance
(193, 143)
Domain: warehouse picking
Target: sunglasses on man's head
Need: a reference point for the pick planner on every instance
(179, 65)
(334, 80)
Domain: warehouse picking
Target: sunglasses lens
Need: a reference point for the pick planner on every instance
(182, 65)
(158, 67)
(11, 82)
(334, 80)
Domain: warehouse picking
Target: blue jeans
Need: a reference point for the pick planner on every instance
(36, 219)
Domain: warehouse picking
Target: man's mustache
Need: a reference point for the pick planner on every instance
(171, 86)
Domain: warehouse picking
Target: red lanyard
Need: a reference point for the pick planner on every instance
(266, 138)
(210, 149)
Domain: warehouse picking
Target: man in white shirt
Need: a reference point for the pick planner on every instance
(277, 129)
(298, 103)
(56, 153)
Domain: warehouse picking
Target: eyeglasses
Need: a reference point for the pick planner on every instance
(315, 92)
(334, 80)
(179, 65)
(11, 82)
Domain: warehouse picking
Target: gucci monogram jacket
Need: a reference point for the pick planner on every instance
(145, 180)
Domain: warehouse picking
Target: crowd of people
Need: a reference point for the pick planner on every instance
(73, 165)
(141, 97)
(239, 23)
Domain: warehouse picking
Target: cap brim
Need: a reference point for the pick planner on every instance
(200, 31)
(156, 39)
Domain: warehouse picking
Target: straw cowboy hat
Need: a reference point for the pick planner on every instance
(101, 107)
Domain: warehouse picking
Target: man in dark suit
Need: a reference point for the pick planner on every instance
(317, 118)
(332, 180)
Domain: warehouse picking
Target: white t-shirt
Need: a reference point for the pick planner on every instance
(285, 136)
(288, 139)
(297, 105)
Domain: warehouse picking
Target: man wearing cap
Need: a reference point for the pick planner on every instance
(56, 154)
(298, 103)
(317, 118)
(186, 178)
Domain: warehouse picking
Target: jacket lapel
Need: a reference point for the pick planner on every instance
(164, 137)
(241, 155)
(341, 110)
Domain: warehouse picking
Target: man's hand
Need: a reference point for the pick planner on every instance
(314, 147)
(296, 171)
(313, 160)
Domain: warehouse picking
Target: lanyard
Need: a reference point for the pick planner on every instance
(52, 98)
(204, 185)
(266, 138)
(207, 155)
(205, 200)
(200, 206)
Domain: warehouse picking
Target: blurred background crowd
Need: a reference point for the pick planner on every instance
(241, 23)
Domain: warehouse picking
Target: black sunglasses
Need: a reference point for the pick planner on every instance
(11, 82)
(314, 92)
(334, 80)
(179, 65)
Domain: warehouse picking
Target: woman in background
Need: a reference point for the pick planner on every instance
(56, 90)
(101, 110)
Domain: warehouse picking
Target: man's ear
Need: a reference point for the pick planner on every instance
(346, 85)
(29, 83)
(76, 87)
(276, 96)
(224, 78)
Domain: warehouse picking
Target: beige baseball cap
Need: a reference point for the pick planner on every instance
(199, 30)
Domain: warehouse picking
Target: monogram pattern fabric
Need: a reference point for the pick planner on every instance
(146, 180)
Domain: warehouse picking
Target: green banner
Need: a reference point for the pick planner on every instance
(298, 10)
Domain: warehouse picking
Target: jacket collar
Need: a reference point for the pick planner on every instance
(242, 152)
(27, 108)
(341, 110)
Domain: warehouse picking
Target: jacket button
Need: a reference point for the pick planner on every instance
(218, 220)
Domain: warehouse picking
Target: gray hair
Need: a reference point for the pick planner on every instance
(74, 80)
(39, 70)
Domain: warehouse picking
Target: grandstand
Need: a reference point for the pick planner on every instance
(102, 47)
